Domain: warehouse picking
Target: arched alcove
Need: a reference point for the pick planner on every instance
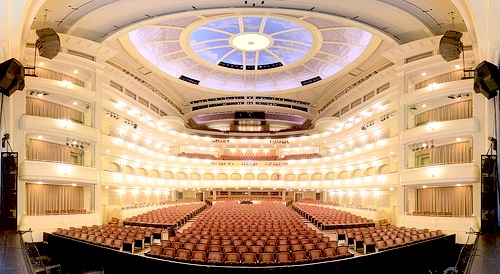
(357, 173)
(114, 167)
(128, 169)
(154, 173)
(330, 176)
(142, 171)
(168, 175)
(384, 169)
(317, 177)
(182, 176)
(222, 176)
(235, 176)
(370, 171)
(195, 176)
(343, 175)
(249, 176)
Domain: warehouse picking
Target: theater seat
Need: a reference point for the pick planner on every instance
(266, 258)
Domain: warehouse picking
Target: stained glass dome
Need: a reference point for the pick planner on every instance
(251, 52)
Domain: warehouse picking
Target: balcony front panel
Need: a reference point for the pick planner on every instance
(437, 130)
(58, 127)
(36, 171)
(441, 175)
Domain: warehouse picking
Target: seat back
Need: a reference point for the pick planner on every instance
(155, 250)
(256, 248)
(183, 254)
(329, 252)
(249, 258)
(232, 258)
(168, 252)
(315, 254)
(266, 258)
(299, 256)
(343, 251)
(283, 257)
(215, 257)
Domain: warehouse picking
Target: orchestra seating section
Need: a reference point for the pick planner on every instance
(287, 201)
(328, 218)
(197, 155)
(241, 234)
(226, 157)
(329, 203)
(173, 216)
(301, 156)
(168, 202)
(230, 233)
(249, 158)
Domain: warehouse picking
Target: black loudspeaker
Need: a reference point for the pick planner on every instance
(489, 165)
(48, 43)
(486, 79)
(450, 45)
(11, 76)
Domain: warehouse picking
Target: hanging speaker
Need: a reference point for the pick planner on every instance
(450, 45)
(11, 76)
(487, 79)
(48, 43)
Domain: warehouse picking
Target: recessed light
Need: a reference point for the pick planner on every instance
(75, 71)
(424, 73)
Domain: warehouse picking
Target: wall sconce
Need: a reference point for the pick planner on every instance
(128, 122)
(387, 116)
(112, 115)
(369, 124)
(75, 144)
(38, 93)
(458, 96)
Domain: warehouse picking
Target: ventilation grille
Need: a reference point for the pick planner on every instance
(189, 80)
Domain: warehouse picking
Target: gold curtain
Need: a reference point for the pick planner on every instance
(50, 152)
(456, 111)
(53, 197)
(37, 107)
(443, 78)
(457, 200)
(448, 154)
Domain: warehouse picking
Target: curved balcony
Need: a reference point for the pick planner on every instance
(58, 127)
(57, 172)
(436, 130)
(441, 175)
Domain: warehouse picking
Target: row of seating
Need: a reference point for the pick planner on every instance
(123, 238)
(249, 257)
(249, 245)
(381, 239)
(230, 228)
(287, 201)
(326, 218)
(171, 216)
(165, 202)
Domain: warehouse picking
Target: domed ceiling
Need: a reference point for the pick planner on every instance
(242, 51)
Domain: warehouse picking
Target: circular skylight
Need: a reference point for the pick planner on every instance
(250, 51)
(251, 42)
